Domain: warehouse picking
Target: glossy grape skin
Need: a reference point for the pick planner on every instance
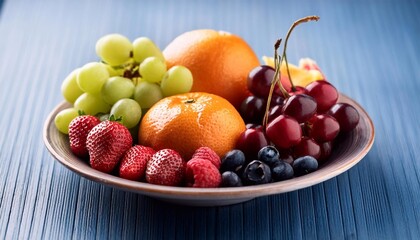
(63, 119)
(177, 80)
(129, 111)
(274, 112)
(307, 147)
(69, 88)
(116, 88)
(323, 128)
(251, 141)
(259, 80)
(326, 149)
(325, 94)
(276, 100)
(301, 107)
(252, 109)
(114, 49)
(143, 48)
(284, 131)
(346, 115)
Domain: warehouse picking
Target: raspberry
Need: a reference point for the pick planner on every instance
(207, 153)
(165, 168)
(201, 173)
(133, 165)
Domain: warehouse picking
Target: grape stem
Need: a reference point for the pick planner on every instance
(284, 56)
(277, 65)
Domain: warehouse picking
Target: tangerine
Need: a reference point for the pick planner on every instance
(186, 122)
(219, 62)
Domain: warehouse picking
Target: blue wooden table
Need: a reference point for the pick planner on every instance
(368, 49)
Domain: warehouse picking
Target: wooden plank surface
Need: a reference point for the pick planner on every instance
(368, 49)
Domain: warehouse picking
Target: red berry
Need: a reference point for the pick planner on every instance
(207, 153)
(251, 141)
(323, 128)
(325, 94)
(165, 168)
(346, 115)
(252, 109)
(326, 149)
(201, 173)
(259, 80)
(133, 165)
(284, 131)
(307, 147)
(107, 143)
(301, 107)
(79, 129)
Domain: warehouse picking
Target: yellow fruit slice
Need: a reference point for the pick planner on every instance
(300, 76)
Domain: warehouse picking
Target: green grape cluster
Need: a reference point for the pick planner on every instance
(128, 80)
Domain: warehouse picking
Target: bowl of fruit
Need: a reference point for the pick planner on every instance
(202, 125)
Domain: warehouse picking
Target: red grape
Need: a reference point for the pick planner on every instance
(307, 147)
(252, 109)
(323, 128)
(346, 115)
(251, 141)
(284, 131)
(301, 107)
(259, 80)
(325, 94)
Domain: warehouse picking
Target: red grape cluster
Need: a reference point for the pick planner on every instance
(300, 121)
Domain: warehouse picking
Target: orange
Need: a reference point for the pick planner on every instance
(219, 62)
(189, 121)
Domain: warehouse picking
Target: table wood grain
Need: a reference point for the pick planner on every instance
(368, 49)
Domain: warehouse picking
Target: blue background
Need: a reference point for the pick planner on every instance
(368, 49)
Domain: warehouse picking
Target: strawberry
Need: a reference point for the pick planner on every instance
(165, 168)
(201, 173)
(133, 165)
(207, 154)
(107, 143)
(78, 130)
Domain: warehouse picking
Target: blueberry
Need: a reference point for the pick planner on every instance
(305, 165)
(230, 179)
(268, 155)
(281, 171)
(256, 172)
(232, 161)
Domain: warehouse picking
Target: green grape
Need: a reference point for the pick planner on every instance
(116, 88)
(104, 117)
(177, 80)
(69, 88)
(129, 110)
(63, 119)
(92, 76)
(114, 71)
(143, 48)
(152, 69)
(91, 104)
(147, 94)
(114, 49)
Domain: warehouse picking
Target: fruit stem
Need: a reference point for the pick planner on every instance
(274, 82)
(284, 57)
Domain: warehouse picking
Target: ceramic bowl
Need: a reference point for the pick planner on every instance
(348, 151)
